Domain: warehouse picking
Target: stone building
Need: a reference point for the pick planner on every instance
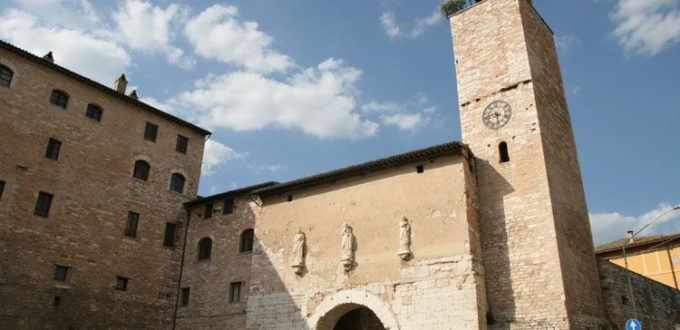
(488, 233)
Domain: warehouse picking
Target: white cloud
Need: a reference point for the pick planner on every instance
(217, 34)
(215, 155)
(608, 227)
(71, 14)
(144, 27)
(647, 27)
(389, 23)
(259, 169)
(94, 56)
(319, 101)
(406, 116)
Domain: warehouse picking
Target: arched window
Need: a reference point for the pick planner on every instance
(142, 170)
(503, 152)
(247, 238)
(94, 112)
(59, 98)
(204, 248)
(177, 182)
(5, 76)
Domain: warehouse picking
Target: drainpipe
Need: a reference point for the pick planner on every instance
(181, 268)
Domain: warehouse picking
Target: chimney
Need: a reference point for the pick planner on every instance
(49, 57)
(133, 94)
(631, 237)
(121, 84)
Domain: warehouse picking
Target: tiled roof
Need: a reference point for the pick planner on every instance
(231, 193)
(39, 60)
(640, 242)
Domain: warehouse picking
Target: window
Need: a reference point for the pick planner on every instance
(2, 188)
(177, 182)
(503, 152)
(228, 207)
(56, 301)
(42, 206)
(150, 131)
(169, 239)
(247, 237)
(59, 98)
(235, 292)
(141, 170)
(60, 272)
(93, 112)
(5, 76)
(290, 198)
(184, 296)
(121, 283)
(204, 248)
(131, 224)
(207, 213)
(420, 169)
(182, 144)
(53, 147)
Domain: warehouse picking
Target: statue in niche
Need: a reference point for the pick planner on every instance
(347, 258)
(404, 251)
(298, 262)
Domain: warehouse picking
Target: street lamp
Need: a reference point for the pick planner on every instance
(632, 235)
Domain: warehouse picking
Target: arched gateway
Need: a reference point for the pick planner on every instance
(353, 310)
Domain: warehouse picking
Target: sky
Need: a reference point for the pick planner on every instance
(291, 88)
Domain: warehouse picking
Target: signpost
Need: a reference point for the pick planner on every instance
(633, 324)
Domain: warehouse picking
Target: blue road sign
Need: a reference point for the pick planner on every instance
(633, 324)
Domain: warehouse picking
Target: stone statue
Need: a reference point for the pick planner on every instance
(404, 251)
(298, 262)
(347, 258)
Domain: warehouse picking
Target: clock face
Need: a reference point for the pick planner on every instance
(497, 114)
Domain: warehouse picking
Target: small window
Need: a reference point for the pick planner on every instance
(204, 248)
(290, 198)
(141, 170)
(94, 112)
(503, 152)
(56, 301)
(420, 169)
(150, 131)
(131, 224)
(208, 212)
(60, 272)
(235, 292)
(2, 188)
(184, 296)
(53, 147)
(177, 182)
(228, 207)
(59, 98)
(182, 144)
(5, 76)
(247, 238)
(42, 206)
(169, 239)
(122, 283)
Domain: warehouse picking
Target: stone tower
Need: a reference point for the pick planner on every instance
(537, 244)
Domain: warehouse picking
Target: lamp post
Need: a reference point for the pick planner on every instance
(632, 235)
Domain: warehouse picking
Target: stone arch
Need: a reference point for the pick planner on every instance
(333, 307)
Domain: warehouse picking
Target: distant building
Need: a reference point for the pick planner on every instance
(100, 225)
(656, 257)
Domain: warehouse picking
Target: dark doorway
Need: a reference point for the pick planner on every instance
(359, 319)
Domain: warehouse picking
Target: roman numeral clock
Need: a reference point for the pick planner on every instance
(497, 114)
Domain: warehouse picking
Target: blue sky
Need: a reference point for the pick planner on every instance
(292, 88)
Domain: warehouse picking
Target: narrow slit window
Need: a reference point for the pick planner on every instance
(208, 212)
(59, 98)
(53, 147)
(182, 144)
(503, 152)
(247, 239)
(43, 204)
(228, 207)
(2, 188)
(184, 299)
(131, 224)
(235, 292)
(204, 248)
(170, 230)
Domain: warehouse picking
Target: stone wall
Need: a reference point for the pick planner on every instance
(657, 305)
(439, 287)
(93, 192)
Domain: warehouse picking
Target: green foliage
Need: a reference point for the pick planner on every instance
(450, 7)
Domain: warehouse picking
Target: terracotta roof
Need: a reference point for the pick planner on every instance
(640, 242)
(446, 149)
(231, 193)
(44, 62)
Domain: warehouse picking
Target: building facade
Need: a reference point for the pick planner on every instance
(93, 183)
(490, 233)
